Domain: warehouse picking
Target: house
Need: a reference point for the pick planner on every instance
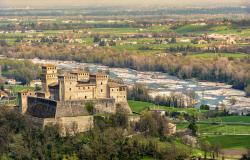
(12, 82)
(170, 129)
(3, 94)
(230, 40)
(35, 83)
(202, 42)
(161, 112)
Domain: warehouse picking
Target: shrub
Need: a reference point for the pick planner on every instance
(90, 107)
(247, 89)
(204, 107)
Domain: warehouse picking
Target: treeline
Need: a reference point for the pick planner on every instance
(220, 69)
(23, 71)
(23, 140)
(140, 93)
(59, 26)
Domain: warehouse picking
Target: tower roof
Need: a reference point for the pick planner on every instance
(48, 65)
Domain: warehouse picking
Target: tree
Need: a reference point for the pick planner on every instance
(233, 101)
(173, 40)
(206, 147)
(97, 39)
(120, 118)
(90, 107)
(216, 150)
(246, 156)
(204, 107)
(247, 89)
(148, 124)
(193, 127)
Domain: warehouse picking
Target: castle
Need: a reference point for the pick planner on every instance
(64, 98)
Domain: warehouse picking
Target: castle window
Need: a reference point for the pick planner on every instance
(88, 87)
(85, 97)
(112, 89)
(101, 83)
(70, 89)
(101, 90)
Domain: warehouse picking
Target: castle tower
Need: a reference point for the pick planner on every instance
(101, 85)
(81, 75)
(49, 76)
(23, 98)
(67, 87)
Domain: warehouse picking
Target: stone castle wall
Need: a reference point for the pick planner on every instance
(67, 125)
(41, 107)
(77, 108)
(45, 108)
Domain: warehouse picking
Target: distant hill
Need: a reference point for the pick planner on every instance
(111, 11)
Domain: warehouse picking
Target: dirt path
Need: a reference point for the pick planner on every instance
(234, 153)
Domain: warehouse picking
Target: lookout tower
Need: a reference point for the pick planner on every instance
(49, 76)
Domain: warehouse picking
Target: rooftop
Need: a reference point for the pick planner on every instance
(48, 65)
(114, 85)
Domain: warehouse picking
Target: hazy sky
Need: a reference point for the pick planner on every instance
(135, 3)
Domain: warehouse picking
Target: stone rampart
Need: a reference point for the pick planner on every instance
(41, 107)
(77, 108)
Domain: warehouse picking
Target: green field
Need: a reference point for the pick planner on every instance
(230, 142)
(218, 129)
(192, 29)
(17, 88)
(212, 55)
(228, 119)
(138, 106)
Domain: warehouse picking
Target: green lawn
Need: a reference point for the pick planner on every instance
(230, 142)
(17, 88)
(138, 106)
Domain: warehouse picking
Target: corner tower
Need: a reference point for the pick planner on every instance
(49, 76)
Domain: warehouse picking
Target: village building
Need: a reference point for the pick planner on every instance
(12, 82)
(35, 83)
(170, 129)
(161, 112)
(3, 95)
